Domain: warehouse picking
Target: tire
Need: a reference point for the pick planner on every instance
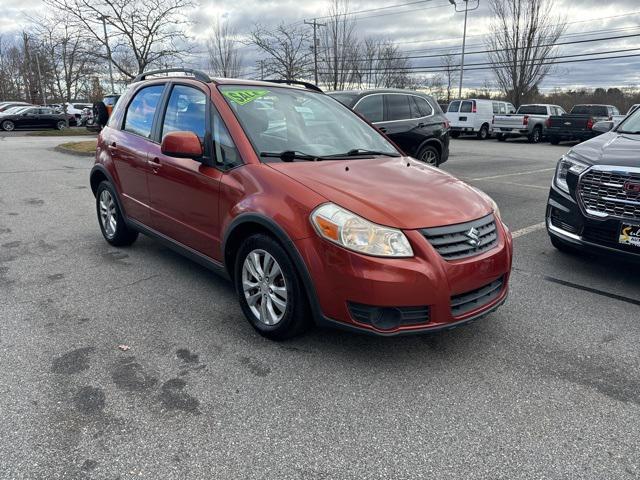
(501, 137)
(554, 140)
(61, 125)
(561, 246)
(286, 308)
(483, 133)
(429, 155)
(100, 113)
(454, 134)
(8, 126)
(535, 136)
(108, 211)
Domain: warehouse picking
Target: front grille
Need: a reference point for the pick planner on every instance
(602, 194)
(388, 317)
(453, 241)
(466, 302)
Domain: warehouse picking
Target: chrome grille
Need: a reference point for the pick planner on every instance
(453, 241)
(602, 194)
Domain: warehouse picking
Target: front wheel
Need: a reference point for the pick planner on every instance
(8, 126)
(114, 228)
(270, 292)
(501, 137)
(61, 125)
(535, 136)
(429, 155)
(454, 134)
(561, 246)
(554, 140)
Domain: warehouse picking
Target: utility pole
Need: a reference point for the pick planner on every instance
(315, 46)
(44, 94)
(106, 43)
(464, 35)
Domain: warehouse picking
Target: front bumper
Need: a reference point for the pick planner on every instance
(342, 278)
(567, 223)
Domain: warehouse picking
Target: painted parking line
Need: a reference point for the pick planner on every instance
(506, 175)
(529, 229)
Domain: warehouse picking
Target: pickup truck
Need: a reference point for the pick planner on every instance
(529, 121)
(578, 123)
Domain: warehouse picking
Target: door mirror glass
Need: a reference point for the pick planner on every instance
(603, 126)
(181, 145)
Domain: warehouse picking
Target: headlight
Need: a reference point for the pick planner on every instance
(355, 233)
(565, 165)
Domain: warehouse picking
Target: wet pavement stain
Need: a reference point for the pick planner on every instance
(56, 276)
(34, 201)
(72, 362)
(129, 375)
(255, 366)
(4, 230)
(88, 465)
(173, 397)
(89, 400)
(186, 356)
(14, 244)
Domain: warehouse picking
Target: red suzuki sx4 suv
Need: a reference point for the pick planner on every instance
(312, 212)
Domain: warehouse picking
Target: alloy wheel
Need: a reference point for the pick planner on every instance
(429, 157)
(61, 125)
(264, 287)
(108, 214)
(8, 126)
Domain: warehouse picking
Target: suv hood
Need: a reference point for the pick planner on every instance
(396, 192)
(611, 148)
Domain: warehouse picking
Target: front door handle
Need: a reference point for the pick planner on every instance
(154, 164)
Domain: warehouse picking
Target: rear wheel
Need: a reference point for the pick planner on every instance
(483, 134)
(61, 125)
(112, 224)
(429, 155)
(535, 136)
(8, 125)
(270, 292)
(501, 137)
(553, 140)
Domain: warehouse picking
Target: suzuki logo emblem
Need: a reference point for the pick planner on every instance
(632, 186)
(474, 237)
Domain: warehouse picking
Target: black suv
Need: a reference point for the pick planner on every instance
(594, 202)
(414, 121)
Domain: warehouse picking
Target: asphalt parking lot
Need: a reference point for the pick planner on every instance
(548, 387)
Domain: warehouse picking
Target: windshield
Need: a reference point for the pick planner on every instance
(14, 110)
(631, 124)
(280, 119)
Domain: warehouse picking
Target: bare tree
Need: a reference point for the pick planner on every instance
(521, 39)
(287, 49)
(142, 33)
(338, 46)
(222, 45)
(451, 69)
(380, 64)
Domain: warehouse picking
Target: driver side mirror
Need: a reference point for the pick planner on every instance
(181, 145)
(602, 126)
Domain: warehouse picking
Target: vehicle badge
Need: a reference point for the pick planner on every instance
(632, 186)
(474, 237)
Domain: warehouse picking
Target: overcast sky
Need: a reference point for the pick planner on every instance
(430, 27)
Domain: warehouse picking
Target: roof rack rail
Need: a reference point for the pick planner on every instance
(307, 85)
(197, 74)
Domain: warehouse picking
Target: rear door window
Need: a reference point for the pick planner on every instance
(370, 107)
(186, 111)
(142, 109)
(419, 107)
(454, 106)
(503, 109)
(398, 107)
(496, 108)
(466, 107)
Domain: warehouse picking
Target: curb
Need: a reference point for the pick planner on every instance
(61, 149)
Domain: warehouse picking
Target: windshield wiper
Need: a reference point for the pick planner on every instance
(291, 155)
(363, 151)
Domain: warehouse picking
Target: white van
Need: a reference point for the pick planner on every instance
(474, 115)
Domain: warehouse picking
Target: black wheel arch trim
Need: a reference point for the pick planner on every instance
(436, 142)
(286, 242)
(103, 170)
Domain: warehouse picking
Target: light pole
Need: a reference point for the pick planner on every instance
(106, 43)
(464, 35)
